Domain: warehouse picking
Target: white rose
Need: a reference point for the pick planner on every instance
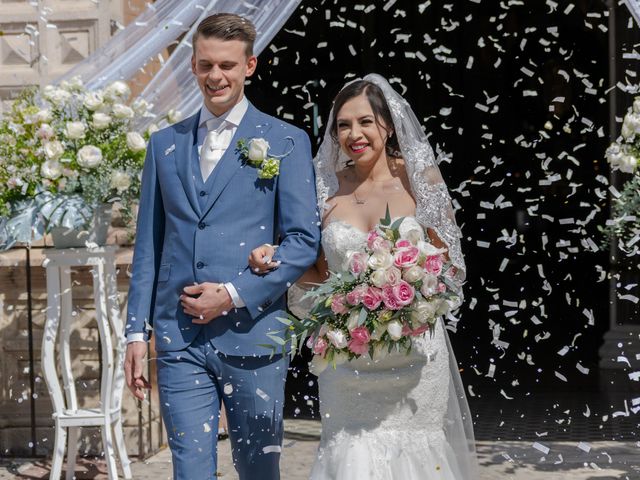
(394, 329)
(427, 248)
(258, 149)
(444, 306)
(45, 131)
(380, 260)
(117, 91)
(152, 128)
(352, 322)
(628, 164)
(378, 278)
(413, 274)
(89, 156)
(51, 169)
(93, 100)
(135, 141)
(100, 121)
(414, 236)
(122, 111)
(53, 150)
(318, 365)
(630, 125)
(140, 106)
(57, 96)
(43, 115)
(75, 130)
(392, 275)
(429, 285)
(422, 311)
(337, 338)
(614, 155)
(174, 116)
(636, 105)
(120, 181)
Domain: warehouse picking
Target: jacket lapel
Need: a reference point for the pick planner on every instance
(231, 162)
(185, 135)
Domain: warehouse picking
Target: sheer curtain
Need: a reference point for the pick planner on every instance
(161, 24)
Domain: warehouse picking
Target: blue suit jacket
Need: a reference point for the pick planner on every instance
(182, 239)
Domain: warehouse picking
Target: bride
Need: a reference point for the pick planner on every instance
(400, 417)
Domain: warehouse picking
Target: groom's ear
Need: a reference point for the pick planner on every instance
(252, 63)
(193, 64)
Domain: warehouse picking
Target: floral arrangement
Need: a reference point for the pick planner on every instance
(256, 153)
(624, 155)
(392, 290)
(66, 149)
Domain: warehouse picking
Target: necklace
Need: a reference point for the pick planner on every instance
(362, 201)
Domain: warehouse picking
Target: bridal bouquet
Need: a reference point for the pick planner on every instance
(66, 149)
(624, 155)
(392, 290)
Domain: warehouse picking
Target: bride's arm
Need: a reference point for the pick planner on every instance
(317, 273)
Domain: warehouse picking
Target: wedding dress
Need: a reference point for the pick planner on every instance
(384, 419)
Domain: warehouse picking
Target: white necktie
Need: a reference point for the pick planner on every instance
(212, 150)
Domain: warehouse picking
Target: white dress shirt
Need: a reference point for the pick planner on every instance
(220, 131)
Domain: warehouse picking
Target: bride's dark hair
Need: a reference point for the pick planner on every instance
(379, 106)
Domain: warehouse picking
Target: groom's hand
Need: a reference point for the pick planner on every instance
(133, 367)
(212, 301)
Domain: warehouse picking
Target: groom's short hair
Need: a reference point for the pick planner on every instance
(227, 26)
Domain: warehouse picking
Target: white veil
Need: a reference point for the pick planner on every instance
(433, 210)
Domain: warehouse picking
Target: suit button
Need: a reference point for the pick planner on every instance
(202, 193)
(202, 225)
(199, 265)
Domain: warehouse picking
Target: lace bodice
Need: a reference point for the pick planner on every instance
(340, 238)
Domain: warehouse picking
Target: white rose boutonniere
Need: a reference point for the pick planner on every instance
(255, 152)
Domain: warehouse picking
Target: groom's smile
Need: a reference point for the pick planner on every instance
(221, 67)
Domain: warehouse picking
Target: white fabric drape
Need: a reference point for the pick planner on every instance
(160, 25)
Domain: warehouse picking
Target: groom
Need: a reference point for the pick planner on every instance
(204, 206)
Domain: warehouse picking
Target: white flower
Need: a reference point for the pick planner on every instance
(140, 106)
(89, 156)
(414, 236)
(100, 121)
(174, 116)
(337, 338)
(352, 322)
(318, 365)
(122, 111)
(51, 169)
(45, 131)
(394, 329)
(152, 128)
(57, 96)
(380, 260)
(636, 105)
(135, 142)
(630, 125)
(117, 91)
(75, 130)
(413, 274)
(422, 311)
(93, 100)
(258, 148)
(628, 164)
(120, 181)
(378, 278)
(428, 249)
(392, 275)
(614, 155)
(429, 285)
(43, 115)
(53, 150)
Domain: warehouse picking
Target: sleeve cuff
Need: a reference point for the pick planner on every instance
(233, 293)
(135, 337)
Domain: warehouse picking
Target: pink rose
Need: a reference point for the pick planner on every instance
(403, 243)
(442, 288)
(433, 264)
(355, 296)
(392, 276)
(358, 263)
(337, 304)
(357, 347)
(371, 238)
(360, 334)
(320, 346)
(406, 256)
(378, 244)
(389, 298)
(404, 293)
(372, 298)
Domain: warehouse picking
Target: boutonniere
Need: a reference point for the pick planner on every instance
(255, 152)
